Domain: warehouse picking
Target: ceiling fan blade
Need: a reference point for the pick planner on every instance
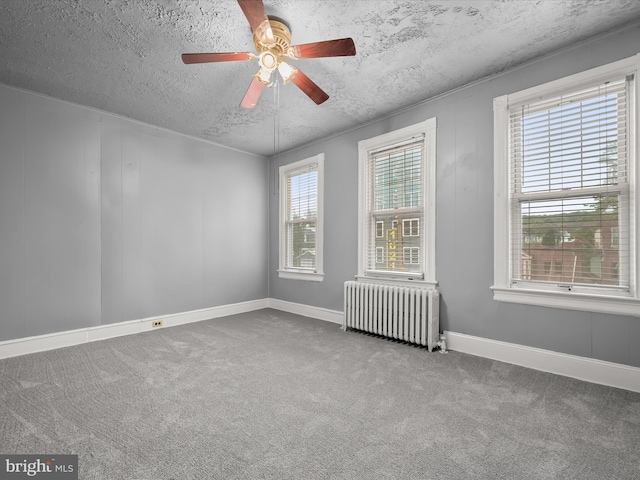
(253, 93)
(258, 20)
(189, 58)
(304, 83)
(342, 47)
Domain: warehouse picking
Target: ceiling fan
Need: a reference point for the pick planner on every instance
(272, 39)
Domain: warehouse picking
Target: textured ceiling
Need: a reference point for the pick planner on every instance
(123, 56)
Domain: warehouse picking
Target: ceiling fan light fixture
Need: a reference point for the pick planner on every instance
(264, 76)
(287, 72)
(268, 61)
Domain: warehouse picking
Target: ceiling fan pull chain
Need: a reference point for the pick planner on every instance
(276, 117)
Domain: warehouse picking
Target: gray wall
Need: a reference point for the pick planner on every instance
(105, 220)
(464, 216)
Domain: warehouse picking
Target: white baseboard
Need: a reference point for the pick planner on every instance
(325, 314)
(40, 343)
(582, 368)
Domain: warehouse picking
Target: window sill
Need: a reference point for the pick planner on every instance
(308, 276)
(569, 300)
(398, 281)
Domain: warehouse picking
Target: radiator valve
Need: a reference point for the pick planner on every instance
(443, 344)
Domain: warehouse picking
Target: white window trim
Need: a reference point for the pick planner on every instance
(611, 302)
(428, 244)
(294, 273)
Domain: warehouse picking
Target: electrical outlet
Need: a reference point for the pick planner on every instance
(156, 323)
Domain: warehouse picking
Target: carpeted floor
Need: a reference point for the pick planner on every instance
(271, 395)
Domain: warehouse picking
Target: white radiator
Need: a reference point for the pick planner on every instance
(404, 313)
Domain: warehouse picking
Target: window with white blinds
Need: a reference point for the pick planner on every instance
(395, 199)
(570, 189)
(397, 202)
(566, 174)
(301, 219)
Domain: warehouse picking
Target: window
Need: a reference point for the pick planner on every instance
(397, 205)
(411, 255)
(411, 228)
(565, 171)
(301, 188)
(557, 268)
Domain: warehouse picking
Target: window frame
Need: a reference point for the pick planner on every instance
(602, 300)
(285, 271)
(426, 130)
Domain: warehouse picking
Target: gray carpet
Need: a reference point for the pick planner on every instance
(271, 395)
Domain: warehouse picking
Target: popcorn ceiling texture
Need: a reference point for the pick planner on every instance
(123, 56)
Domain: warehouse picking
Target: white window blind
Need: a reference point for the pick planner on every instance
(569, 189)
(394, 201)
(300, 223)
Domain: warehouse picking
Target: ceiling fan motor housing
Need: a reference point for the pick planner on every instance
(282, 35)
